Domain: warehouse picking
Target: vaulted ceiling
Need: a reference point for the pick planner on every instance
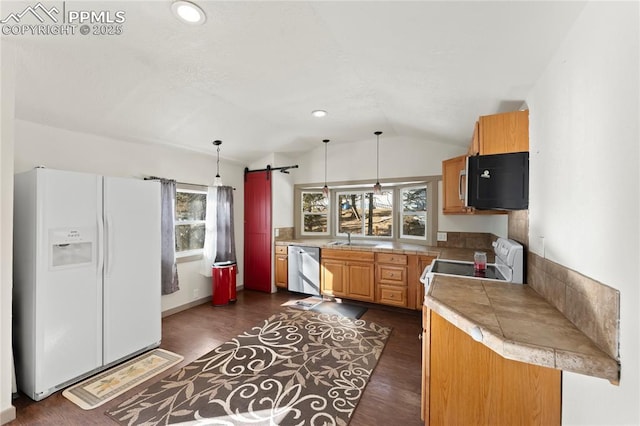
(253, 72)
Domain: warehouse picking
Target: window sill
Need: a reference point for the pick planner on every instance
(188, 257)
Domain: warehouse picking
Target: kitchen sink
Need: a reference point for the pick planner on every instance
(354, 243)
(364, 243)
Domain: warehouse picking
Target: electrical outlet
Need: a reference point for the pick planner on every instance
(196, 292)
(277, 232)
(442, 236)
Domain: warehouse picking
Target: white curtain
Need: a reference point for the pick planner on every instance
(226, 243)
(209, 249)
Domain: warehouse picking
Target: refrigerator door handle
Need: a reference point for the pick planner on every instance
(100, 243)
(109, 245)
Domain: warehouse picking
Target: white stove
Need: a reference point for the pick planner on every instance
(508, 266)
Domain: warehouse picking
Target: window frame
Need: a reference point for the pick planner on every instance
(363, 192)
(303, 214)
(193, 254)
(402, 212)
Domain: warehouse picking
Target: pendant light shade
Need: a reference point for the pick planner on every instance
(217, 181)
(325, 188)
(377, 188)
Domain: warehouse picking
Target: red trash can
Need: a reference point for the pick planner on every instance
(233, 271)
(223, 275)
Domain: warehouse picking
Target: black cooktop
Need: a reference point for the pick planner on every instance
(466, 270)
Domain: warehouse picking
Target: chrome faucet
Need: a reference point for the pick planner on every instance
(348, 237)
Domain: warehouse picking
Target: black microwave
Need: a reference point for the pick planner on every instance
(498, 181)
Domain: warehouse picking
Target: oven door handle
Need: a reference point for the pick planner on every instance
(423, 278)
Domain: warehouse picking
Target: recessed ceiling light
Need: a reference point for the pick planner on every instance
(319, 113)
(188, 12)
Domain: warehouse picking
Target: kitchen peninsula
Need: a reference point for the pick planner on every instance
(493, 354)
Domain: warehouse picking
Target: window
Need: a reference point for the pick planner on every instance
(406, 211)
(413, 212)
(315, 214)
(191, 209)
(365, 214)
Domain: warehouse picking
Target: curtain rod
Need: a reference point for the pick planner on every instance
(179, 183)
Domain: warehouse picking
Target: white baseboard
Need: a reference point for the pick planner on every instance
(192, 304)
(186, 306)
(8, 415)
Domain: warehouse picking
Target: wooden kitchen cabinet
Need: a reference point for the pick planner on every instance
(348, 273)
(360, 284)
(454, 181)
(391, 279)
(333, 275)
(464, 382)
(501, 133)
(426, 356)
(281, 267)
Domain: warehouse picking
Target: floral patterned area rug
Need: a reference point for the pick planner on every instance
(115, 381)
(296, 368)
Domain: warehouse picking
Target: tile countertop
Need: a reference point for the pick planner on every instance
(517, 323)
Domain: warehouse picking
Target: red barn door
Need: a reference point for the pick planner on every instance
(257, 231)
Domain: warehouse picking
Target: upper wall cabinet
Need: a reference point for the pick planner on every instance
(501, 133)
(454, 181)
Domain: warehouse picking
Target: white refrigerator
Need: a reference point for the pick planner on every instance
(86, 275)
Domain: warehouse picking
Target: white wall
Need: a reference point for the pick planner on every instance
(584, 186)
(36, 144)
(283, 193)
(398, 158)
(7, 411)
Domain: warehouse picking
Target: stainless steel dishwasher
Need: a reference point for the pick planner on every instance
(304, 269)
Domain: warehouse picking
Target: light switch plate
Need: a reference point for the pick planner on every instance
(442, 236)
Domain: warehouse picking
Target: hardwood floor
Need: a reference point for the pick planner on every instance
(392, 396)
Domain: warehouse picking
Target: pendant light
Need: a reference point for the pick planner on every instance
(217, 181)
(377, 188)
(325, 188)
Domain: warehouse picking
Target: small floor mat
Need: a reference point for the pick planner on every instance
(115, 381)
(344, 309)
(304, 304)
(317, 304)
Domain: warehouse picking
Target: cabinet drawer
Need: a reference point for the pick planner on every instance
(392, 295)
(366, 256)
(396, 259)
(395, 275)
(281, 249)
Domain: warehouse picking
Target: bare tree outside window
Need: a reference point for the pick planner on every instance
(191, 209)
(366, 214)
(414, 212)
(315, 213)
